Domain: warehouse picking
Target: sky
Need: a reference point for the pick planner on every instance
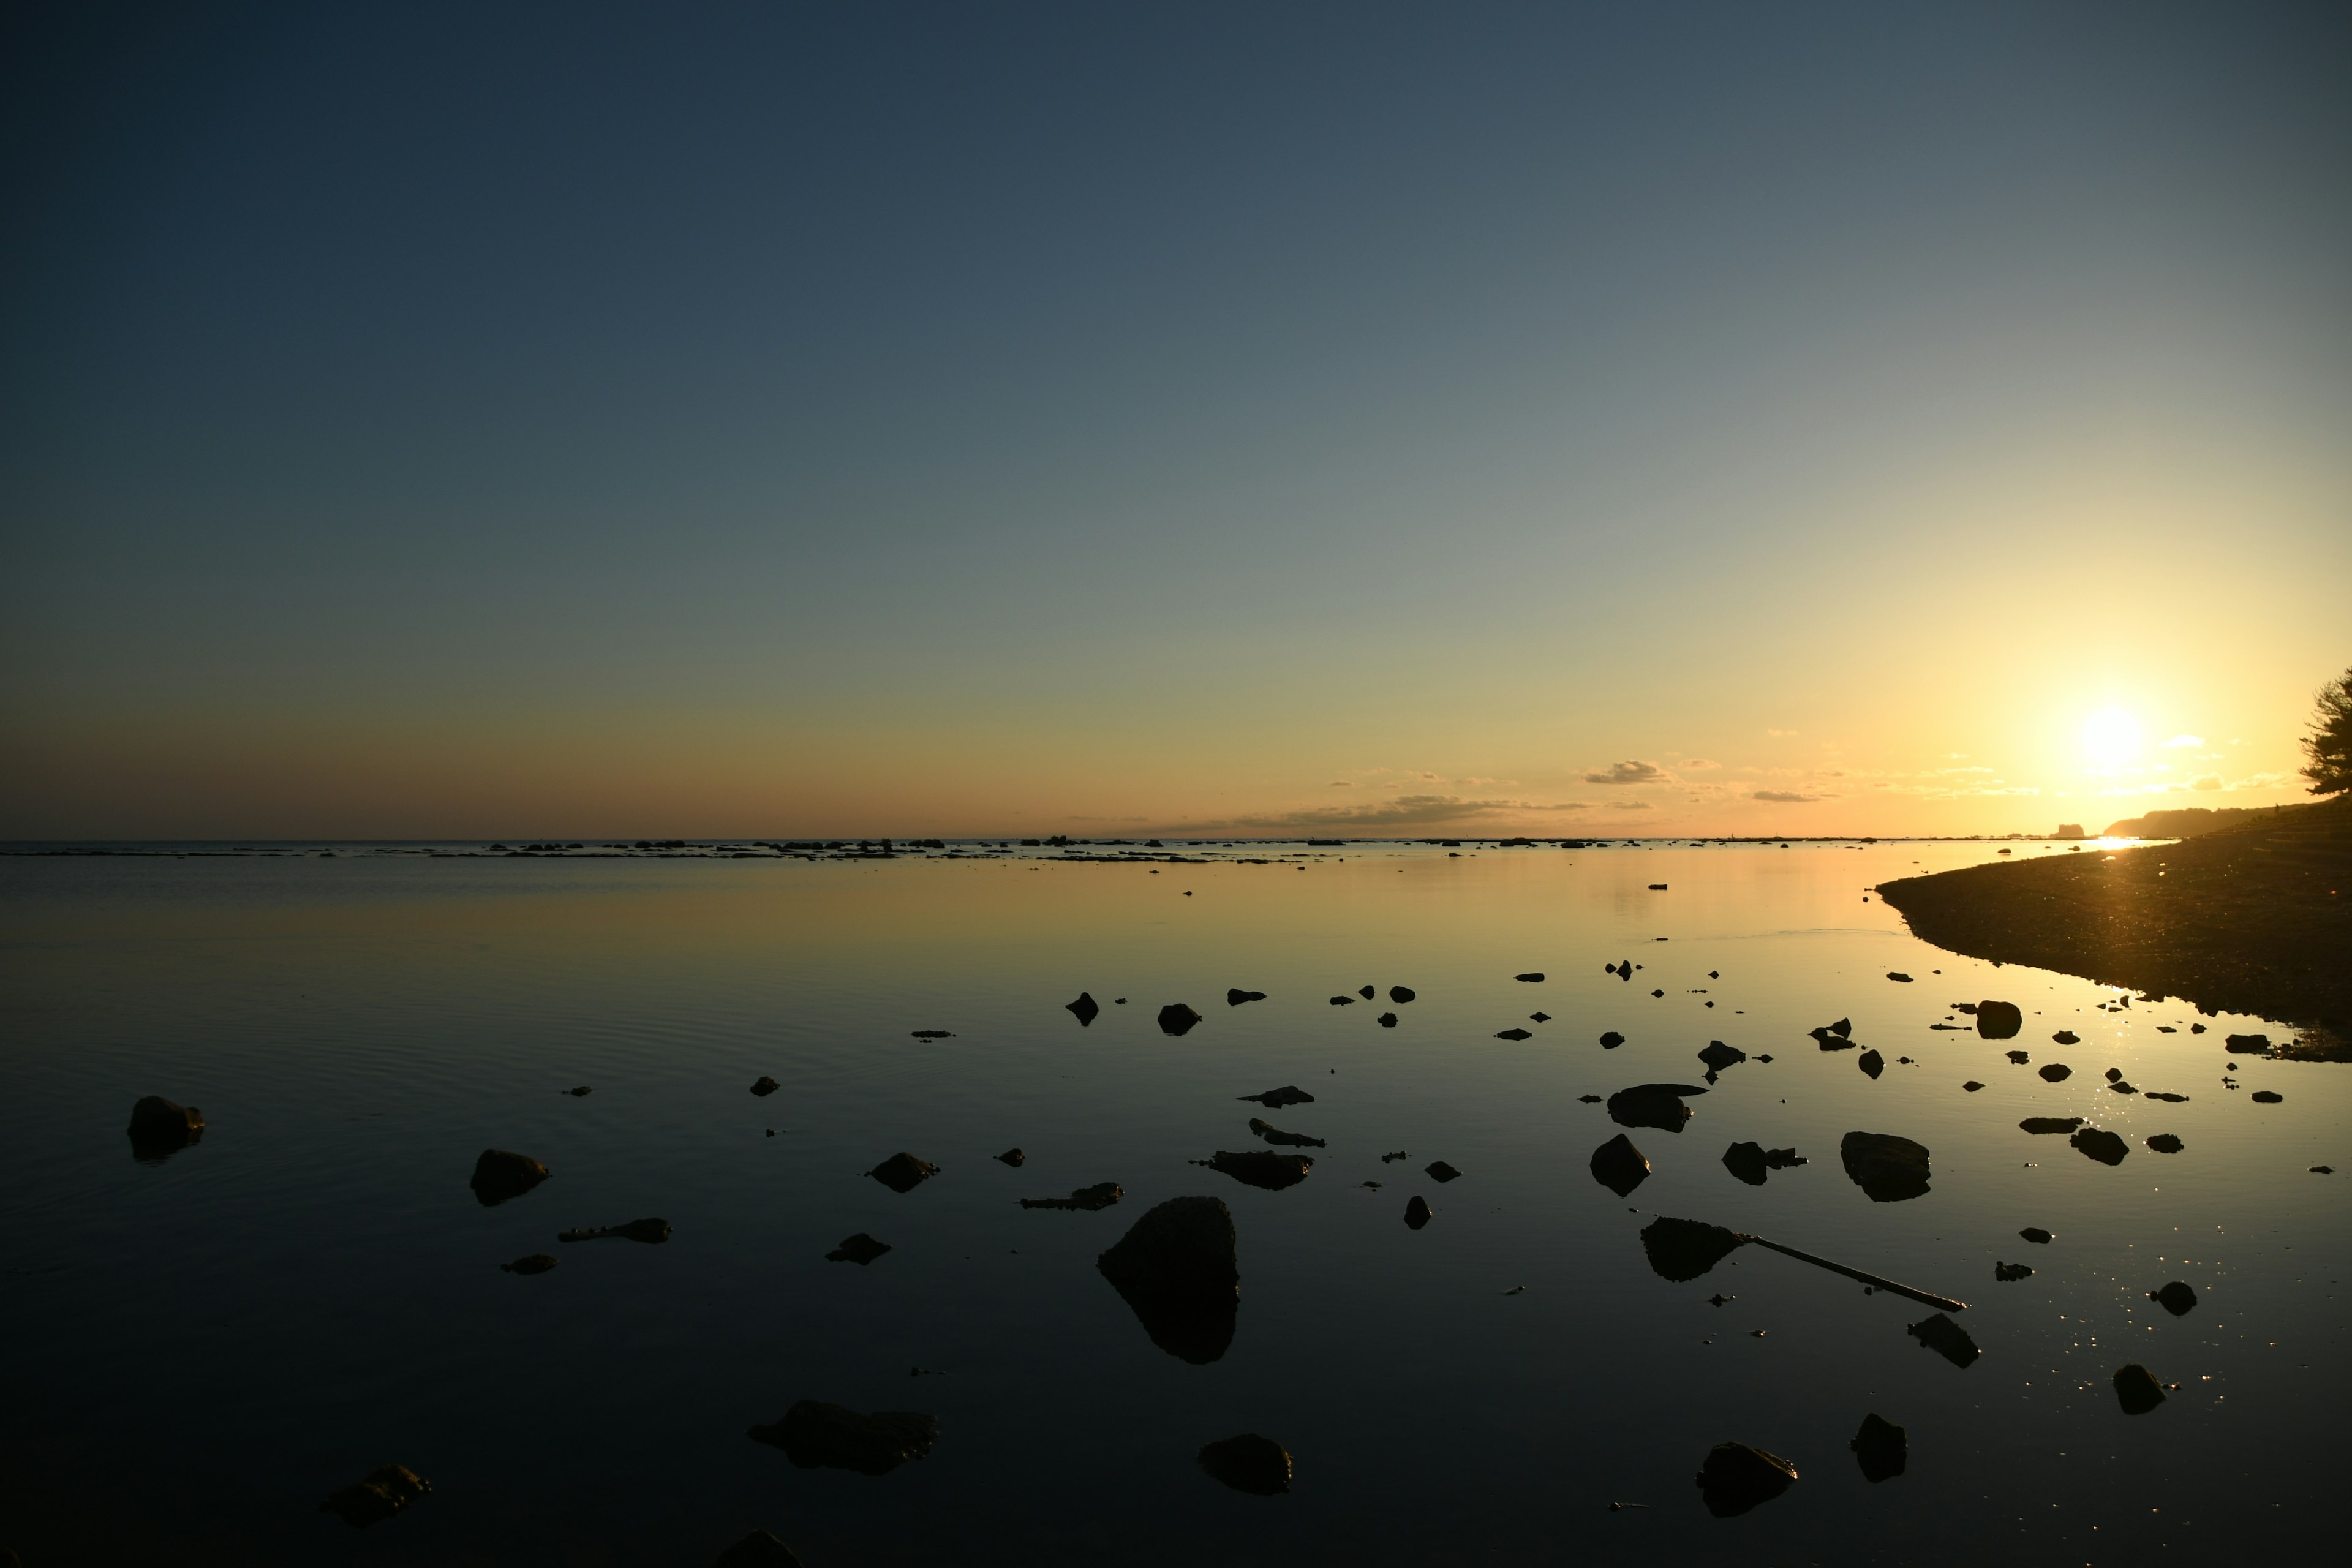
(424, 421)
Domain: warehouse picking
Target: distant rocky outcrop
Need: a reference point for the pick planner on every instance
(2187, 822)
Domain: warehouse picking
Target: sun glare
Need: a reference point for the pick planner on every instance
(2111, 737)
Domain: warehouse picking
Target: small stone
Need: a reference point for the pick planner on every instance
(1533, 977)
(2067, 1038)
(2057, 1073)
(1871, 1063)
(1899, 976)
(2137, 1390)
(1736, 1477)
(1101, 1195)
(758, 1550)
(1387, 1020)
(1881, 1447)
(1946, 1338)
(537, 1263)
(2036, 1235)
(860, 1249)
(2166, 1144)
(2051, 1124)
(765, 1086)
(1177, 1018)
(1620, 1167)
(1417, 1212)
(813, 1433)
(1276, 1098)
(1540, 1017)
(1366, 991)
(1085, 1008)
(1012, 1157)
(2266, 1097)
(1235, 997)
(1439, 1170)
(1274, 1134)
(1514, 1035)
(1970, 1086)
(1611, 1040)
(501, 1175)
(1401, 994)
(2018, 1057)
(2008, 1271)
(902, 1173)
(2102, 1145)
(584, 1088)
(1249, 1463)
(1887, 1169)
(1999, 1020)
(2177, 1298)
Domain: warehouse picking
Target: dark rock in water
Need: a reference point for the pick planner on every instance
(1619, 1166)
(1746, 1161)
(2166, 1144)
(1533, 976)
(1680, 1249)
(2137, 1390)
(902, 1173)
(1101, 1195)
(765, 1087)
(2056, 1072)
(2248, 1044)
(1871, 1063)
(582, 1089)
(1829, 1042)
(1888, 1169)
(2005, 1272)
(1249, 1463)
(2050, 1124)
(537, 1263)
(1719, 1055)
(1401, 994)
(1261, 1167)
(2036, 1235)
(814, 1433)
(652, 1232)
(387, 1490)
(1276, 1135)
(2018, 1058)
(1175, 1269)
(2120, 1086)
(1834, 1036)
(2176, 1299)
(1417, 1212)
(1514, 1035)
(1439, 1170)
(1540, 1017)
(1343, 1000)
(1999, 1020)
(1588, 1099)
(1177, 1018)
(1012, 1157)
(1610, 1040)
(1276, 1098)
(501, 1175)
(932, 1035)
(1085, 1008)
(1234, 998)
(161, 1128)
(2101, 1145)
(1365, 992)
(1657, 1105)
(2266, 1097)
(1970, 1086)
(1946, 1338)
(2067, 1038)
(1897, 975)
(1881, 1447)
(758, 1550)
(1736, 1477)
(1387, 1020)
(1391, 1158)
(860, 1249)
(1661, 993)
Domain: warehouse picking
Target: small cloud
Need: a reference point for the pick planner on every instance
(1630, 773)
(1343, 783)
(1474, 780)
(1782, 732)
(2206, 782)
(2180, 743)
(1787, 795)
(1699, 764)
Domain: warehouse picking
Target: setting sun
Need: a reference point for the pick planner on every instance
(2112, 737)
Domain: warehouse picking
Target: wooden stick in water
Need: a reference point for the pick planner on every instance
(1945, 1302)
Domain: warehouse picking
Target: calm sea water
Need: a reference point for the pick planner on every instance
(207, 1346)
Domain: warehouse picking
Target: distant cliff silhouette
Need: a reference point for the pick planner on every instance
(2187, 822)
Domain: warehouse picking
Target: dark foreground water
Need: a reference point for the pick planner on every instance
(200, 1350)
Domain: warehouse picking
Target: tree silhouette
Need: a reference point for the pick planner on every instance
(2329, 745)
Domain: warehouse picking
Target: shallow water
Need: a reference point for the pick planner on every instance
(214, 1343)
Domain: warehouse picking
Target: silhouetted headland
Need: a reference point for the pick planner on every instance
(2253, 918)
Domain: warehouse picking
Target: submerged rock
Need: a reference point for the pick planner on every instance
(1881, 1447)
(1751, 1162)
(1888, 1169)
(1101, 1195)
(1620, 1167)
(1235, 997)
(758, 1550)
(1514, 1035)
(2067, 1038)
(860, 1249)
(1533, 976)
(652, 1232)
(1083, 1008)
(537, 1263)
(765, 1086)
(1999, 1020)
(2177, 1298)
(1272, 1134)
(1175, 1269)
(2166, 1144)
(2036, 1235)
(386, 1490)
(2137, 1390)
(1736, 1477)
(1540, 1017)
(1658, 1105)
(1439, 1170)
(2018, 1058)
(1946, 1338)
(2101, 1145)
(932, 1035)
(1248, 1463)
(1261, 1167)
(2045, 1124)
(814, 1433)
(501, 1175)
(1719, 1055)
(2057, 1073)
(1276, 1098)
(2006, 1272)
(579, 1090)
(902, 1173)
(161, 1128)
(1417, 1212)
(1970, 1086)
(1680, 1249)
(1177, 1018)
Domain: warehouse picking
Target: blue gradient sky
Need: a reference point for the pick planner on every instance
(574, 419)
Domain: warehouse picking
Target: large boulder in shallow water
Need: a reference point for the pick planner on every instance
(1937, 1333)
(1680, 1249)
(1999, 1020)
(902, 1173)
(1261, 1167)
(758, 1550)
(1881, 1447)
(814, 1433)
(501, 1175)
(1658, 1105)
(1887, 1168)
(2101, 1145)
(1619, 1166)
(1083, 1008)
(1736, 1477)
(161, 1128)
(1175, 1269)
(1719, 1055)
(1249, 1463)
(2138, 1390)
(1177, 1018)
